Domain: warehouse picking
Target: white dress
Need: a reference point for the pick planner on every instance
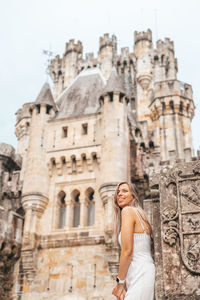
(140, 277)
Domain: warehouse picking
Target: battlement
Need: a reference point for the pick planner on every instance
(106, 40)
(89, 57)
(56, 63)
(24, 112)
(125, 52)
(71, 46)
(173, 87)
(166, 44)
(143, 35)
(10, 158)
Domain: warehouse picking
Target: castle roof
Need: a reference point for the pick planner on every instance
(81, 97)
(45, 96)
(114, 83)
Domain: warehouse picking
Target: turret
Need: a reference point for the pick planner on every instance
(107, 53)
(22, 128)
(114, 144)
(172, 110)
(144, 75)
(22, 132)
(142, 42)
(57, 75)
(165, 63)
(35, 185)
(73, 53)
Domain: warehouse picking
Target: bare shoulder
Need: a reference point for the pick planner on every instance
(129, 211)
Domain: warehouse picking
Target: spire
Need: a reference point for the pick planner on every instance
(114, 83)
(45, 96)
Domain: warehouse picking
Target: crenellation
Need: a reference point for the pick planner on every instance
(106, 40)
(24, 112)
(167, 44)
(71, 46)
(143, 35)
(125, 54)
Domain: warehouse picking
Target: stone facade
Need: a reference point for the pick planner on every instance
(11, 217)
(174, 209)
(112, 118)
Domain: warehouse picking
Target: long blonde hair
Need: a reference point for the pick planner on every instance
(134, 203)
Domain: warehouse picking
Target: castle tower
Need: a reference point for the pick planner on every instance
(57, 75)
(143, 47)
(172, 111)
(22, 131)
(165, 63)
(107, 53)
(114, 144)
(73, 53)
(35, 184)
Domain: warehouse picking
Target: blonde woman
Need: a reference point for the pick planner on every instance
(136, 275)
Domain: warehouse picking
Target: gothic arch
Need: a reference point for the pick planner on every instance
(61, 201)
(89, 195)
(76, 207)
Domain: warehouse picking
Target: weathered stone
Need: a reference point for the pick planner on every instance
(117, 117)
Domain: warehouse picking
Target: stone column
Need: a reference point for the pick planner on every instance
(107, 192)
(83, 213)
(69, 214)
(34, 205)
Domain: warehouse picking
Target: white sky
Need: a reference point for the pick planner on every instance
(28, 26)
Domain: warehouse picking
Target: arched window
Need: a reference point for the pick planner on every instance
(171, 104)
(38, 108)
(76, 214)
(73, 158)
(90, 207)
(125, 63)
(62, 209)
(151, 145)
(142, 146)
(181, 107)
(163, 108)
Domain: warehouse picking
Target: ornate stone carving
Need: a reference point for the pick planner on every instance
(181, 217)
(170, 233)
(192, 192)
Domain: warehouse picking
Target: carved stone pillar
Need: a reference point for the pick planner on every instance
(175, 215)
(107, 192)
(69, 214)
(83, 213)
(34, 205)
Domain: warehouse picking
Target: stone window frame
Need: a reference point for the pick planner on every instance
(75, 196)
(62, 208)
(88, 194)
(84, 128)
(64, 131)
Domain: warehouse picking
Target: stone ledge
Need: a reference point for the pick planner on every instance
(69, 240)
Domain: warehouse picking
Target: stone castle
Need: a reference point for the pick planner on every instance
(111, 118)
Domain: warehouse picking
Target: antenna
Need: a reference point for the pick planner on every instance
(156, 25)
(50, 54)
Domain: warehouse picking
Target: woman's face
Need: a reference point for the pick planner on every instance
(124, 195)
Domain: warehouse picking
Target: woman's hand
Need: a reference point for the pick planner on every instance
(118, 290)
(122, 296)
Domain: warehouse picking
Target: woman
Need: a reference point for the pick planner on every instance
(136, 276)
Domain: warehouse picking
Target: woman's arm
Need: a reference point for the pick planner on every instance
(127, 230)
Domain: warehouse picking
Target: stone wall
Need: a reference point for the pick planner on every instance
(174, 210)
(11, 217)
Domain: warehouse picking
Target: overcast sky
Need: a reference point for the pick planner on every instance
(29, 26)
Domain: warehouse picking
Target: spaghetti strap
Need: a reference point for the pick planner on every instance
(140, 220)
